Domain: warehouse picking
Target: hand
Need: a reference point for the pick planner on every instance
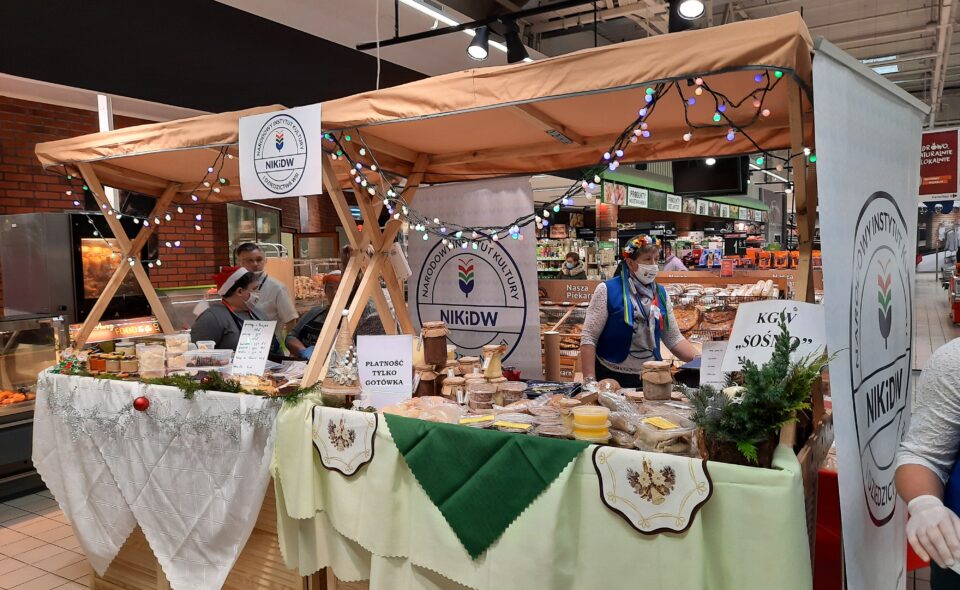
(306, 353)
(934, 531)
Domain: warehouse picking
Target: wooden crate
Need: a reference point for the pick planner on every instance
(259, 567)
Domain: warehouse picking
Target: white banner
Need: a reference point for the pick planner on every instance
(486, 295)
(758, 324)
(868, 152)
(280, 154)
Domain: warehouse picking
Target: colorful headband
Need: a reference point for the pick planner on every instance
(637, 242)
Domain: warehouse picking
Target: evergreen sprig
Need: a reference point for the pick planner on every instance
(770, 397)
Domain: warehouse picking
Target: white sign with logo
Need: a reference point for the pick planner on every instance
(280, 154)
(674, 203)
(868, 162)
(250, 358)
(637, 197)
(486, 293)
(757, 325)
(385, 365)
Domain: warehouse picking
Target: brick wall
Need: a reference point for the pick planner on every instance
(26, 188)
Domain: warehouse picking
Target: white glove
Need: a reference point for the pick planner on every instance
(934, 531)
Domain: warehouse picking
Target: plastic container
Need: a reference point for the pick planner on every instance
(512, 391)
(206, 345)
(590, 415)
(666, 432)
(152, 359)
(125, 347)
(177, 343)
(597, 440)
(208, 358)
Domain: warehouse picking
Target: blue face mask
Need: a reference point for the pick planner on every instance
(570, 265)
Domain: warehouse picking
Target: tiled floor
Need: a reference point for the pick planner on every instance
(919, 580)
(932, 326)
(37, 548)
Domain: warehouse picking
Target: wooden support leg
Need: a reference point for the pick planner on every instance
(129, 249)
(805, 196)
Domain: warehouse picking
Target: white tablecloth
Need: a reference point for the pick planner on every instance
(191, 473)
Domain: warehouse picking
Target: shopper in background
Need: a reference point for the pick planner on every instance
(223, 320)
(672, 263)
(370, 324)
(275, 302)
(304, 335)
(629, 316)
(928, 473)
(573, 268)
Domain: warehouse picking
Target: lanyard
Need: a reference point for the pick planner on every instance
(236, 318)
(262, 281)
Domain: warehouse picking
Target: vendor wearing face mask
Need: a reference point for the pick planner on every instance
(223, 320)
(275, 302)
(629, 316)
(572, 268)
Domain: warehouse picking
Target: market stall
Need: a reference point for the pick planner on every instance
(484, 124)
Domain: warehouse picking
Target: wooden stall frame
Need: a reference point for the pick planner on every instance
(130, 251)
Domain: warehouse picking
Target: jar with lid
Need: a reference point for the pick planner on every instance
(480, 395)
(496, 382)
(469, 365)
(512, 391)
(492, 355)
(453, 389)
(657, 380)
(434, 336)
(424, 381)
(453, 369)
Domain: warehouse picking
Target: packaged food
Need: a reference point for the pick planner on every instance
(598, 440)
(208, 358)
(451, 352)
(206, 345)
(512, 391)
(469, 365)
(608, 385)
(666, 433)
(129, 365)
(492, 357)
(434, 335)
(590, 416)
(125, 347)
(614, 402)
(592, 430)
(453, 389)
(425, 381)
(96, 363)
(113, 364)
(624, 421)
(621, 438)
(553, 431)
(657, 380)
(478, 421)
(177, 343)
(152, 360)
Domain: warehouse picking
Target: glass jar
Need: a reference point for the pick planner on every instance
(453, 389)
(451, 352)
(424, 381)
(452, 369)
(469, 365)
(492, 355)
(512, 391)
(434, 336)
(496, 382)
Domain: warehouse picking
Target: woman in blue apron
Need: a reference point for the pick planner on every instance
(928, 473)
(629, 317)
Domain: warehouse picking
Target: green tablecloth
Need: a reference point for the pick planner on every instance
(379, 525)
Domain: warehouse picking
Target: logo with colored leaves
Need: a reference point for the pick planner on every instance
(884, 297)
(465, 267)
(881, 335)
(280, 164)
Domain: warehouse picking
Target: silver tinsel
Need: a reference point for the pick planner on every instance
(102, 421)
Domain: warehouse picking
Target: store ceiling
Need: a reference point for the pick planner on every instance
(917, 32)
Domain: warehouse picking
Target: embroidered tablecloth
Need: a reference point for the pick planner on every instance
(191, 473)
(380, 525)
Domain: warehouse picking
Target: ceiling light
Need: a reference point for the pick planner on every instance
(479, 48)
(710, 161)
(441, 17)
(887, 69)
(516, 52)
(691, 9)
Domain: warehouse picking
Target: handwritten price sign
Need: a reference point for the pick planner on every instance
(757, 326)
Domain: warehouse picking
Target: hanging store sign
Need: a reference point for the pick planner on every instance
(118, 330)
(485, 293)
(868, 152)
(280, 154)
(939, 165)
(674, 203)
(637, 197)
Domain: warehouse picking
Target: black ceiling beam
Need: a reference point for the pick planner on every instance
(510, 16)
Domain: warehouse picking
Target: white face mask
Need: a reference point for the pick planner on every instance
(254, 299)
(647, 273)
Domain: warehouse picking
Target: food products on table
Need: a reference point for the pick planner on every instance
(591, 416)
(512, 392)
(621, 438)
(129, 365)
(113, 364)
(553, 431)
(666, 433)
(453, 389)
(492, 357)
(624, 421)
(434, 335)
(615, 402)
(8, 398)
(687, 316)
(469, 365)
(96, 363)
(425, 381)
(657, 380)
(208, 358)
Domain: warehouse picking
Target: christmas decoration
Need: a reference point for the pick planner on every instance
(141, 404)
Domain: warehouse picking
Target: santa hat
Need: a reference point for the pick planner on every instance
(331, 279)
(228, 277)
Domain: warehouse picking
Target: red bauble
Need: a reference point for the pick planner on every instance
(141, 404)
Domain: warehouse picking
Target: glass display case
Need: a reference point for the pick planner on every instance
(184, 304)
(570, 329)
(308, 281)
(28, 345)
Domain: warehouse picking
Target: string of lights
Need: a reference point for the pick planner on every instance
(455, 235)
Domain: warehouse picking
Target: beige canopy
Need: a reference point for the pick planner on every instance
(553, 114)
